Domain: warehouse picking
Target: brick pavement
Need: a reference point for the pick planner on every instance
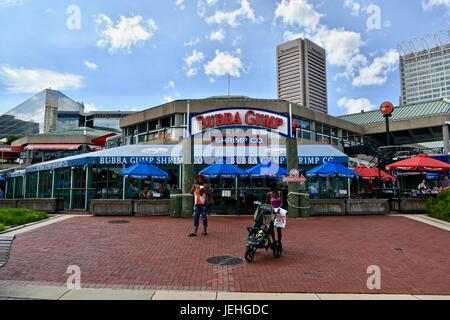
(322, 255)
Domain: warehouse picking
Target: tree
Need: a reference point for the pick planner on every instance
(11, 139)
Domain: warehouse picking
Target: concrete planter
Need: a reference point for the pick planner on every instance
(328, 207)
(410, 205)
(45, 205)
(367, 207)
(151, 207)
(111, 207)
(8, 204)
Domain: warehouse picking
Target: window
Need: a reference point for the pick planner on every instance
(166, 122)
(142, 128)
(107, 183)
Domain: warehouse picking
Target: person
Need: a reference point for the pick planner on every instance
(313, 191)
(164, 191)
(2, 194)
(371, 188)
(445, 183)
(132, 189)
(250, 198)
(200, 190)
(423, 188)
(145, 194)
(275, 199)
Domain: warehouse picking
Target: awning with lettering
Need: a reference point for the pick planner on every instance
(160, 155)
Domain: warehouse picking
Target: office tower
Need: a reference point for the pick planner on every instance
(302, 74)
(425, 68)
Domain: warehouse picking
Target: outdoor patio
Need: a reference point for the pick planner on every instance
(321, 255)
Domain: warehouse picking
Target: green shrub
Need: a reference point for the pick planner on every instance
(2, 227)
(439, 208)
(17, 217)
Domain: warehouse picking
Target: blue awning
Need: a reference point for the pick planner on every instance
(267, 170)
(332, 169)
(144, 170)
(223, 170)
(173, 154)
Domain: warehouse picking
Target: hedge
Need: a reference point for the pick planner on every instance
(439, 208)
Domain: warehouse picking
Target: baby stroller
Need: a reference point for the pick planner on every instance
(262, 234)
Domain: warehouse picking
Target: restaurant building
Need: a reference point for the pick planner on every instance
(235, 130)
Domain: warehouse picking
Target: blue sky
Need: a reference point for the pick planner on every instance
(132, 55)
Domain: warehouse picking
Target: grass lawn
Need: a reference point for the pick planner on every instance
(18, 217)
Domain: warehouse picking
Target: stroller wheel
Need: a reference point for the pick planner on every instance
(277, 250)
(249, 254)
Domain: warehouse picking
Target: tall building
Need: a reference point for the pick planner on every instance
(425, 68)
(104, 120)
(51, 111)
(302, 74)
(37, 114)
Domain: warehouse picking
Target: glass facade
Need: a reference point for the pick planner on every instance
(38, 114)
(78, 185)
(51, 111)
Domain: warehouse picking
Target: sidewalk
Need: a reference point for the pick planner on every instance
(61, 293)
(321, 256)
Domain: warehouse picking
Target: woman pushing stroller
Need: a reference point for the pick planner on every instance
(275, 199)
(262, 235)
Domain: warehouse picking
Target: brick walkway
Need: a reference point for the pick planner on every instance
(322, 255)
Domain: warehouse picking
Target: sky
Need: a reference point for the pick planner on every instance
(135, 54)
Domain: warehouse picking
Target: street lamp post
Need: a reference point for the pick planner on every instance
(387, 109)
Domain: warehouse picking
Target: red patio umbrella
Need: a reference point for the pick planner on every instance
(421, 163)
(373, 174)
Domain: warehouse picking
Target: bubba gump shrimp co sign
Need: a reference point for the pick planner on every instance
(240, 118)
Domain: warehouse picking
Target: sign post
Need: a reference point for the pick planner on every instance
(293, 185)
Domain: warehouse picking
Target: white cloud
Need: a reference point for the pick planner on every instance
(89, 107)
(350, 106)
(20, 80)
(377, 72)
(180, 4)
(343, 47)
(50, 11)
(170, 85)
(218, 35)
(192, 43)
(167, 99)
(125, 34)
(298, 13)
(192, 62)
(354, 6)
(224, 63)
(11, 3)
(90, 65)
(232, 18)
(431, 4)
(289, 35)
